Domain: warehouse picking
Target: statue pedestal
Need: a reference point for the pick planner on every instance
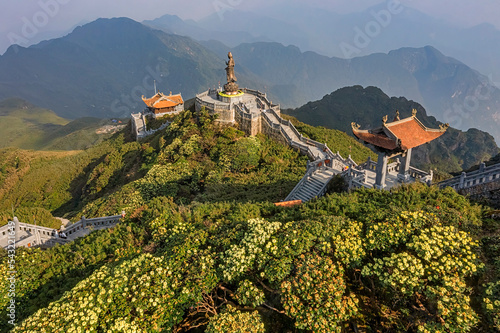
(231, 88)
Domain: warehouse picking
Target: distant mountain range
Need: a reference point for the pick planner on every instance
(454, 151)
(102, 68)
(345, 35)
(447, 88)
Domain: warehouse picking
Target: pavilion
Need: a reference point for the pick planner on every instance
(396, 139)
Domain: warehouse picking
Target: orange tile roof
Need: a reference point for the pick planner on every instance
(376, 139)
(412, 133)
(403, 134)
(160, 101)
(164, 104)
(288, 203)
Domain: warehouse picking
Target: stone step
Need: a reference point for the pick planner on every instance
(313, 190)
(307, 191)
(318, 182)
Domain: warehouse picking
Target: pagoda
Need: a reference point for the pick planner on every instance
(397, 139)
(160, 105)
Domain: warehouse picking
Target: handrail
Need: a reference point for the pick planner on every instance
(299, 184)
(48, 234)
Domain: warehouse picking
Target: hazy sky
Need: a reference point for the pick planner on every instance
(29, 21)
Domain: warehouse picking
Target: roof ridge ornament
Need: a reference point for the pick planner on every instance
(396, 117)
(414, 112)
(444, 127)
(355, 126)
(384, 119)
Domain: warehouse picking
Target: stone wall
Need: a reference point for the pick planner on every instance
(250, 125)
(224, 115)
(490, 192)
(272, 132)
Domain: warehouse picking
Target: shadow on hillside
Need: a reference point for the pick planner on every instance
(273, 192)
(80, 191)
(77, 188)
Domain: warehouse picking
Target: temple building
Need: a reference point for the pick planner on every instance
(158, 106)
(241, 106)
(394, 139)
(161, 105)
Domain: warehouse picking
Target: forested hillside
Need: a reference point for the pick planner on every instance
(204, 249)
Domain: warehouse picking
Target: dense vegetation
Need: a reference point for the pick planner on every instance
(454, 151)
(203, 247)
(57, 181)
(189, 161)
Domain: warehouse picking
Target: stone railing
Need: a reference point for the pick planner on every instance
(368, 165)
(241, 110)
(393, 167)
(29, 235)
(303, 148)
(271, 124)
(262, 96)
(203, 94)
(420, 174)
(95, 223)
(34, 235)
(299, 185)
(356, 178)
(320, 155)
(474, 178)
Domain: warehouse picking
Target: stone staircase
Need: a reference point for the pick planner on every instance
(325, 164)
(312, 185)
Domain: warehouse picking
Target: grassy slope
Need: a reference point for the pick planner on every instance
(27, 178)
(26, 126)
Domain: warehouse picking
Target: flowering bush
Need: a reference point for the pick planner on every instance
(249, 294)
(491, 302)
(235, 321)
(453, 307)
(316, 297)
(396, 229)
(446, 250)
(349, 244)
(134, 295)
(436, 262)
(239, 258)
(401, 272)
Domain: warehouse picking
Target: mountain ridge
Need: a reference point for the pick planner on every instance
(103, 68)
(453, 152)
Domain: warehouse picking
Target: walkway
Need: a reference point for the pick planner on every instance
(30, 235)
(324, 166)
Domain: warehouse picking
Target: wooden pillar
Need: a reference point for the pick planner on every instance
(404, 167)
(381, 171)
